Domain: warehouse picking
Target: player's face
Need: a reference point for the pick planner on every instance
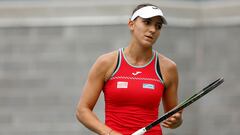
(146, 31)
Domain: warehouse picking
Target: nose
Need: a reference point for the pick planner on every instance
(152, 28)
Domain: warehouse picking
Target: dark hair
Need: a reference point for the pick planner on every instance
(141, 6)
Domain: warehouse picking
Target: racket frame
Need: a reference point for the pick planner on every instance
(181, 106)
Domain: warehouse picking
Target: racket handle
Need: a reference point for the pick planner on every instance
(140, 131)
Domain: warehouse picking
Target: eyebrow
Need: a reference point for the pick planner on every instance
(150, 19)
(147, 19)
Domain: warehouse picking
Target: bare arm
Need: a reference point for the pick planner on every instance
(90, 95)
(170, 97)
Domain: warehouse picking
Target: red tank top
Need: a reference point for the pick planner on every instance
(132, 96)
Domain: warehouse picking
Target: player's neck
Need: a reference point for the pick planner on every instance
(138, 54)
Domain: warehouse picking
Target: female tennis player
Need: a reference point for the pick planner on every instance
(134, 80)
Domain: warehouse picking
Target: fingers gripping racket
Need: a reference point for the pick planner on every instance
(181, 106)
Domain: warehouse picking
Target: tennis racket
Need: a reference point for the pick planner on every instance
(181, 106)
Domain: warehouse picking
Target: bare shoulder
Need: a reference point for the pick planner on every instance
(168, 69)
(105, 63)
(107, 59)
(166, 62)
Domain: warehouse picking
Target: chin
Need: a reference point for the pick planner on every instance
(148, 44)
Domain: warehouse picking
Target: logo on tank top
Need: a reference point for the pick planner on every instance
(136, 73)
(148, 86)
(122, 84)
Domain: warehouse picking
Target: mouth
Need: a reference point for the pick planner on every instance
(149, 37)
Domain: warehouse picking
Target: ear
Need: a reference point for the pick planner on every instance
(130, 25)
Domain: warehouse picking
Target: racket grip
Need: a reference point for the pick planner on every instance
(140, 131)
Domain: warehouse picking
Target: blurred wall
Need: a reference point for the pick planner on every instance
(47, 48)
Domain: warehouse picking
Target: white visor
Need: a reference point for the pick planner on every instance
(149, 12)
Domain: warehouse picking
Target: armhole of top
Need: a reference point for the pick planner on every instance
(118, 63)
(158, 70)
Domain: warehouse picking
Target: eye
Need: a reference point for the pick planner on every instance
(159, 26)
(147, 21)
